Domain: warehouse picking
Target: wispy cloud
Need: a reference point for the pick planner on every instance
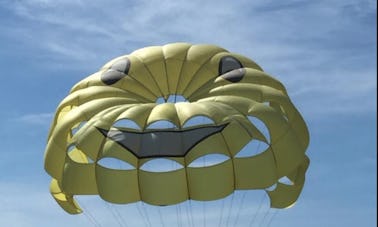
(323, 48)
(323, 51)
(39, 119)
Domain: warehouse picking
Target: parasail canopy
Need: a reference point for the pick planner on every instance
(233, 92)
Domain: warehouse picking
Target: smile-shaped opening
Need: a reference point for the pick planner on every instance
(161, 143)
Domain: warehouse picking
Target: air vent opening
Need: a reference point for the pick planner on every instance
(161, 165)
(173, 98)
(208, 160)
(115, 164)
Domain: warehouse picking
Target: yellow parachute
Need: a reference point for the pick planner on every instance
(224, 87)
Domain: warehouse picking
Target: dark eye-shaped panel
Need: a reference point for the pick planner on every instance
(231, 69)
(116, 72)
(228, 63)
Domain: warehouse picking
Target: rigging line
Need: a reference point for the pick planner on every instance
(180, 215)
(182, 208)
(146, 214)
(114, 215)
(160, 216)
(174, 165)
(141, 214)
(221, 215)
(258, 210)
(204, 212)
(204, 203)
(230, 209)
(115, 211)
(240, 208)
(265, 215)
(272, 217)
(120, 216)
(187, 214)
(89, 216)
(190, 212)
(177, 216)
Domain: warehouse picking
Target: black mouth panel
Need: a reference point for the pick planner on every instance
(161, 143)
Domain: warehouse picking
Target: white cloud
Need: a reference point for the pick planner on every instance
(315, 48)
(39, 119)
(27, 204)
(323, 51)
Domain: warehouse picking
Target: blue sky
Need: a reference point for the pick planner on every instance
(324, 52)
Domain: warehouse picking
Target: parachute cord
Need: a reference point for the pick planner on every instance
(123, 221)
(187, 211)
(142, 215)
(221, 215)
(113, 214)
(174, 165)
(92, 220)
(264, 217)
(204, 203)
(230, 210)
(182, 210)
(191, 213)
(146, 214)
(177, 216)
(204, 213)
(240, 208)
(120, 216)
(89, 216)
(161, 217)
(117, 216)
(272, 217)
(257, 211)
